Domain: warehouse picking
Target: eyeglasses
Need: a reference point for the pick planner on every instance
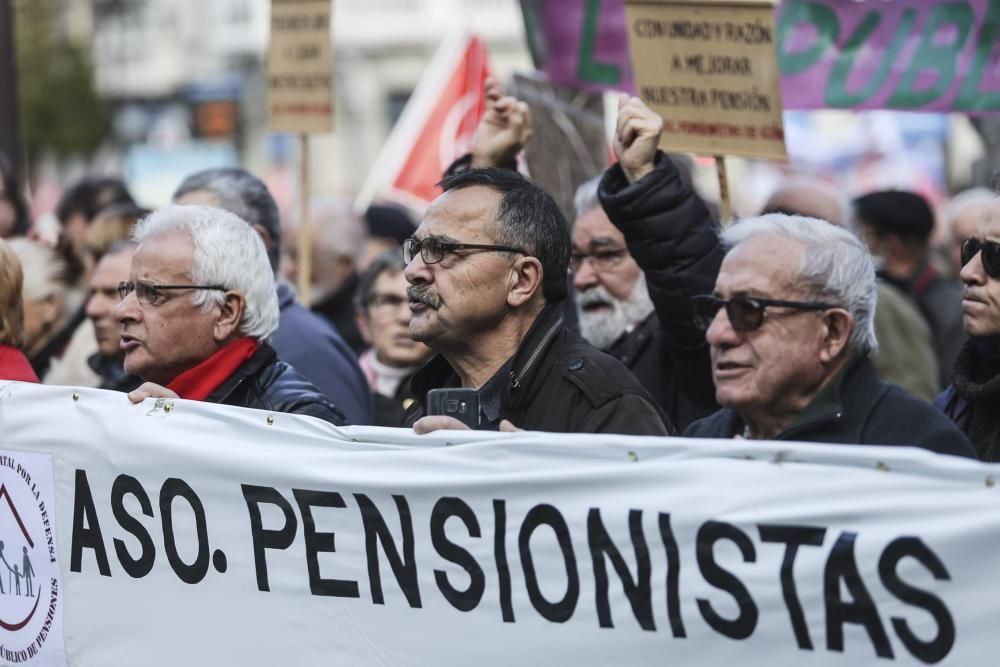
(432, 249)
(149, 293)
(601, 260)
(991, 255)
(745, 313)
(386, 301)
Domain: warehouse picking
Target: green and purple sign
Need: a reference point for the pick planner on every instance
(914, 55)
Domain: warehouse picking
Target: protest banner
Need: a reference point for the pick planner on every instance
(187, 533)
(300, 95)
(300, 67)
(911, 55)
(710, 70)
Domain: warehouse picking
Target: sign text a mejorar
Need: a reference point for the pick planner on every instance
(901, 54)
(475, 557)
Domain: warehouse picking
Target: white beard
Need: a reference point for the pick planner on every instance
(601, 328)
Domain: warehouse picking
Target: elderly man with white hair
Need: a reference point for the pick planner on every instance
(197, 311)
(790, 327)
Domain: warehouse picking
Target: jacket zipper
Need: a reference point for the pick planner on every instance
(516, 381)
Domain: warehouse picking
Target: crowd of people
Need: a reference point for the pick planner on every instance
(821, 319)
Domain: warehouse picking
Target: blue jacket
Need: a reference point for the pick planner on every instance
(308, 342)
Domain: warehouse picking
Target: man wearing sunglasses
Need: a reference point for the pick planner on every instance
(972, 399)
(790, 326)
(197, 310)
(487, 272)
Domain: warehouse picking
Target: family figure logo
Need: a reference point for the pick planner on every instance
(30, 595)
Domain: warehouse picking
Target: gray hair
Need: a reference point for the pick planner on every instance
(227, 252)
(956, 204)
(586, 197)
(242, 194)
(836, 266)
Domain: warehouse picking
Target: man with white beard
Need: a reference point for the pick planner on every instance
(644, 243)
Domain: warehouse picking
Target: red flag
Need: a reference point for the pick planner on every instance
(436, 126)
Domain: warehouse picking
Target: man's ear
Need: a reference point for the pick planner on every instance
(525, 281)
(227, 324)
(837, 328)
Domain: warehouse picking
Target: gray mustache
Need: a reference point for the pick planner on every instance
(424, 294)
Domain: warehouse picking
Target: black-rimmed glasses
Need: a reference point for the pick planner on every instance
(745, 313)
(149, 293)
(600, 260)
(991, 255)
(432, 249)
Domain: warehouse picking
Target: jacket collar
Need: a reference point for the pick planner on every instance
(264, 356)
(437, 372)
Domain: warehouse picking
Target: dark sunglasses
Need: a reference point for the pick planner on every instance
(745, 313)
(991, 255)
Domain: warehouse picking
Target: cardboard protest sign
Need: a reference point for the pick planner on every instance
(300, 67)
(711, 70)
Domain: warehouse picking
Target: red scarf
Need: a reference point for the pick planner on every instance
(199, 382)
(14, 365)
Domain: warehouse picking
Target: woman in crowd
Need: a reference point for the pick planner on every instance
(13, 364)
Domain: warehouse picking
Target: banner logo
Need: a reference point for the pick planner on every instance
(30, 592)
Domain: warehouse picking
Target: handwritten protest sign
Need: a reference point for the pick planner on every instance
(867, 54)
(300, 67)
(710, 70)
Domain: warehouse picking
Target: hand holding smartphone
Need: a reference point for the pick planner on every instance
(462, 403)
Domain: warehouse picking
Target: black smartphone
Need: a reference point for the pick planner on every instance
(460, 402)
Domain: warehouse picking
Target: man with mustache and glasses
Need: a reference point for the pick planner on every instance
(790, 327)
(487, 272)
(196, 313)
(633, 274)
(972, 398)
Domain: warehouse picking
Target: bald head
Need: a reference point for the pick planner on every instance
(812, 198)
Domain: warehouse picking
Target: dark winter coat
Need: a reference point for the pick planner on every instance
(973, 399)
(559, 383)
(675, 240)
(265, 383)
(856, 408)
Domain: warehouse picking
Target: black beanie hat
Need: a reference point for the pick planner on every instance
(389, 222)
(896, 211)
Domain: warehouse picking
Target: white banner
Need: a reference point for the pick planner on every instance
(195, 534)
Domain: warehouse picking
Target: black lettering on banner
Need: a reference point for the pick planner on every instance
(743, 625)
(317, 542)
(793, 537)
(263, 538)
(376, 531)
(141, 566)
(470, 598)
(937, 648)
(673, 576)
(89, 535)
(638, 590)
(195, 572)
(841, 567)
(500, 556)
(547, 515)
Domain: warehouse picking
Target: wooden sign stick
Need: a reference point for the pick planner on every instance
(305, 233)
(725, 206)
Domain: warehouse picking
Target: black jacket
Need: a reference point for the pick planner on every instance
(856, 408)
(675, 240)
(559, 383)
(264, 383)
